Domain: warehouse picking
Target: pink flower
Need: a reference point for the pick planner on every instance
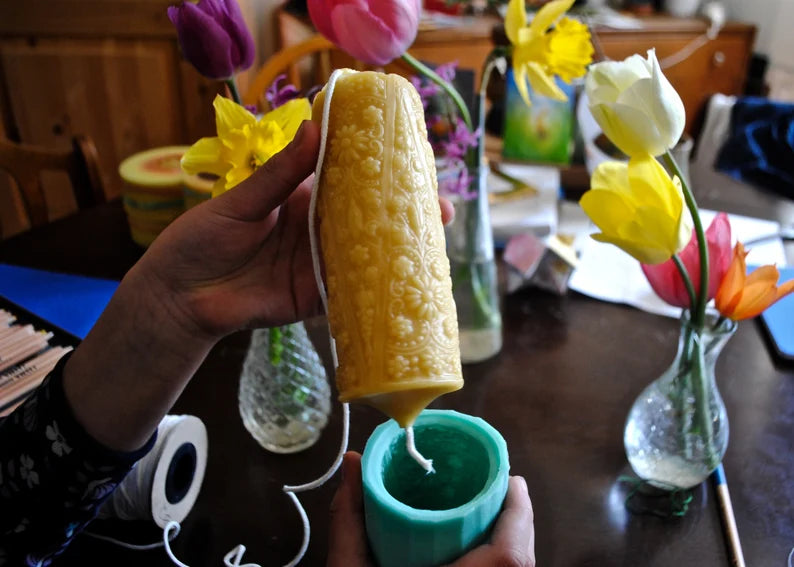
(665, 279)
(372, 31)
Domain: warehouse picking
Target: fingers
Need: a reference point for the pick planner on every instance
(271, 184)
(347, 545)
(515, 530)
(513, 538)
(447, 210)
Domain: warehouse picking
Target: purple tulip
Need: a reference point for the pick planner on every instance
(213, 37)
(372, 31)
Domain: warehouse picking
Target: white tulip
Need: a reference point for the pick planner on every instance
(635, 105)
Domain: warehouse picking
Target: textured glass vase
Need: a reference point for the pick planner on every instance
(677, 430)
(284, 395)
(474, 277)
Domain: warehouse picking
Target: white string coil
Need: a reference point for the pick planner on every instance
(163, 485)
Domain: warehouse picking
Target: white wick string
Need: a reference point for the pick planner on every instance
(426, 464)
(292, 491)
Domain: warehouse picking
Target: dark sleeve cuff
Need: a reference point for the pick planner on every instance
(54, 476)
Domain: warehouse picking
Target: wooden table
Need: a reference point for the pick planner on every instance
(559, 392)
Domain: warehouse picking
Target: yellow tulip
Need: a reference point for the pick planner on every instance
(550, 45)
(639, 208)
(741, 296)
(635, 105)
(243, 142)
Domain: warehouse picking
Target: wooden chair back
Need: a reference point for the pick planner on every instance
(24, 163)
(308, 64)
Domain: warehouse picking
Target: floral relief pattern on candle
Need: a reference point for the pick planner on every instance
(390, 295)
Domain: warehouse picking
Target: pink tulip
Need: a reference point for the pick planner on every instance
(665, 279)
(372, 31)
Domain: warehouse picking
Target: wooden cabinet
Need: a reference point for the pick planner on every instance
(110, 69)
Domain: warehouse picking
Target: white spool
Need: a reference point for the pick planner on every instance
(165, 484)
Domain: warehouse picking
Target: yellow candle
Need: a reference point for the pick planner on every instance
(390, 305)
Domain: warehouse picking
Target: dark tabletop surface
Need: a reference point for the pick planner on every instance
(559, 393)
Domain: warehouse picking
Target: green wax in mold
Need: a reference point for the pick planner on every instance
(461, 463)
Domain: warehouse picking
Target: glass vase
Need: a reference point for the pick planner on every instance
(474, 276)
(284, 396)
(677, 430)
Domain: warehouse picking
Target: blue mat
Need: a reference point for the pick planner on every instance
(70, 302)
(779, 320)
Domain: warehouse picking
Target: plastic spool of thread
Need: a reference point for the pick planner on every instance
(164, 485)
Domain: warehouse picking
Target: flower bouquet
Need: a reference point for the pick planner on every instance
(677, 431)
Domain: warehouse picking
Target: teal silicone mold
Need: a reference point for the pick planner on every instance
(419, 520)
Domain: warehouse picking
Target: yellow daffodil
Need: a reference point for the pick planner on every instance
(550, 45)
(638, 208)
(243, 142)
(741, 296)
(635, 105)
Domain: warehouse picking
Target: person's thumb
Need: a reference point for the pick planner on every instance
(271, 184)
(347, 546)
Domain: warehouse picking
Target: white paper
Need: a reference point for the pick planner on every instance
(606, 272)
(535, 213)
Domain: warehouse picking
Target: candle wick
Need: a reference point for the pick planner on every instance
(410, 446)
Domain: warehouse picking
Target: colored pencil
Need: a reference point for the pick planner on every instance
(728, 518)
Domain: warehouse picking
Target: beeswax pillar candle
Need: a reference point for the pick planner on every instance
(390, 305)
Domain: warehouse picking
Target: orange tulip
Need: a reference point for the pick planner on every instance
(741, 296)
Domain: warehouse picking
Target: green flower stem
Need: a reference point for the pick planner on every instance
(233, 90)
(699, 308)
(690, 289)
(448, 88)
(487, 68)
(276, 347)
(702, 396)
(695, 352)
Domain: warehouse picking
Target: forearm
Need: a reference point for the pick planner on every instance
(134, 363)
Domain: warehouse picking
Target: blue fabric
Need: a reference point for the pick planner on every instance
(778, 320)
(72, 303)
(760, 147)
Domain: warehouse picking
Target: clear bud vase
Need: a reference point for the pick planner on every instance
(473, 270)
(284, 396)
(677, 430)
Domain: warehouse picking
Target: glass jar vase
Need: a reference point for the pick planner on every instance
(284, 396)
(473, 270)
(677, 430)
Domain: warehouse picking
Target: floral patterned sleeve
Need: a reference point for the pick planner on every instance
(53, 476)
